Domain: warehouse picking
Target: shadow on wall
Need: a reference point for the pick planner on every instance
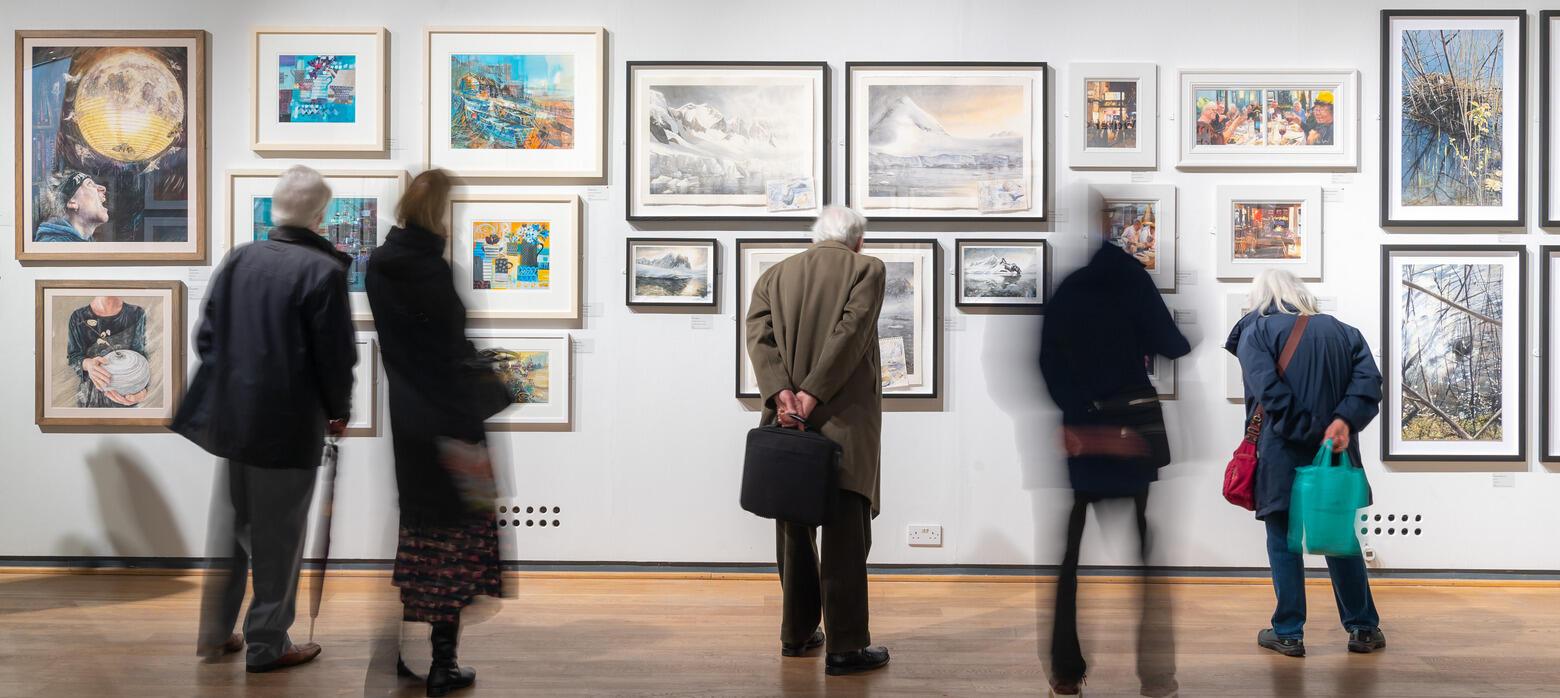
(137, 520)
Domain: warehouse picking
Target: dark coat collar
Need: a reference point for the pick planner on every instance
(303, 236)
(835, 244)
(419, 239)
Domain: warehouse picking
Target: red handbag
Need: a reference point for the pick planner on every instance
(1240, 476)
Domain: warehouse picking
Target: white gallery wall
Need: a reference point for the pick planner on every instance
(651, 467)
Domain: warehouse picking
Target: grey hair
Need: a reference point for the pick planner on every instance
(839, 224)
(300, 198)
(49, 203)
(1279, 290)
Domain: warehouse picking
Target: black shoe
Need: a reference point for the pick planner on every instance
(1067, 687)
(1366, 640)
(402, 670)
(1289, 647)
(443, 679)
(790, 649)
(855, 661)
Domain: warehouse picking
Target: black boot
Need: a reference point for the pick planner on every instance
(445, 676)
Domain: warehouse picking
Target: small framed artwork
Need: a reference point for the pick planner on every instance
(360, 214)
(715, 140)
(1236, 306)
(1140, 218)
(319, 90)
(1301, 119)
(909, 325)
(365, 387)
(516, 102)
(1549, 135)
(947, 141)
(1115, 115)
(1001, 273)
(110, 125)
(536, 369)
(1269, 227)
(1549, 317)
(108, 353)
(1161, 373)
(517, 256)
(1454, 350)
(673, 273)
(1452, 100)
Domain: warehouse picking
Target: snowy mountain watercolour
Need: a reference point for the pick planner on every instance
(721, 143)
(949, 145)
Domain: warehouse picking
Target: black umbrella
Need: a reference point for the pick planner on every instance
(327, 504)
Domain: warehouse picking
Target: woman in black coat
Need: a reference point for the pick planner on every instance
(440, 393)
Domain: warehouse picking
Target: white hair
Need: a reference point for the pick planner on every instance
(300, 198)
(839, 224)
(1279, 290)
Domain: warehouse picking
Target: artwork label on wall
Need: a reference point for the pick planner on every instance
(1001, 273)
(319, 90)
(672, 272)
(1269, 119)
(1118, 126)
(1139, 218)
(110, 145)
(109, 353)
(1269, 227)
(517, 256)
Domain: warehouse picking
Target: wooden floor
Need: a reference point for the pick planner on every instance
(82, 635)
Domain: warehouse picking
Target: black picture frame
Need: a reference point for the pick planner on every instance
(1389, 408)
(1547, 213)
(714, 278)
(935, 326)
(824, 188)
(1042, 284)
(1547, 347)
(1388, 177)
(1043, 167)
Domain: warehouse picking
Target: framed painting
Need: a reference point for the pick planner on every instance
(1001, 273)
(1549, 136)
(1272, 119)
(947, 141)
(1161, 373)
(909, 325)
(516, 102)
(108, 353)
(1549, 318)
(1452, 100)
(365, 387)
(1236, 306)
(1139, 218)
(1269, 227)
(710, 140)
(360, 214)
(111, 146)
(319, 90)
(1114, 117)
(1455, 348)
(517, 256)
(673, 273)
(536, 369)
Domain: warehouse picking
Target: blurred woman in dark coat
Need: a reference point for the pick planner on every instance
(1331, 389)
(440, 393)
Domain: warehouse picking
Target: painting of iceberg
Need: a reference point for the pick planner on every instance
(665, 273)
(718, 142)
(933, 145)
(999, 272)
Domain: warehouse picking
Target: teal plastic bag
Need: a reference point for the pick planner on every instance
(1322, 505)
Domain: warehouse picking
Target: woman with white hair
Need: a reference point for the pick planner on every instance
(1329, 389)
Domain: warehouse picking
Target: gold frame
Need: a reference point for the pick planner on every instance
(199, 150)
(381, 142)
(177, 331)
(576, 210)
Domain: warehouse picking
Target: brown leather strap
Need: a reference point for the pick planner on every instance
(1294, 342)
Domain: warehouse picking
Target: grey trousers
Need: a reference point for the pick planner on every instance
(259, 519)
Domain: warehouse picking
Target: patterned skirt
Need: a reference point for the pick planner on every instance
(441, 569)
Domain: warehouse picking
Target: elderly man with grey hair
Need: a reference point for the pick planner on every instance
(812, 336)
(276, 349)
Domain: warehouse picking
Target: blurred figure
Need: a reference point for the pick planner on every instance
(1330, 390)
(276, 349)
(812, 336)
(440, 393)
(1102, 326)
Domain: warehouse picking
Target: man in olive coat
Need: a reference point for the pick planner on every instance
(812, 337)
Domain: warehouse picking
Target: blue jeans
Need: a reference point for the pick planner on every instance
(1351, 587)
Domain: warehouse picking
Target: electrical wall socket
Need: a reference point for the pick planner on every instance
(926, 536)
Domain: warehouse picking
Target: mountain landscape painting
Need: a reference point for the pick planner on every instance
(672, 274)
(720, 143)
(935, 145)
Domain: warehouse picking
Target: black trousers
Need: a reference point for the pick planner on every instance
(1156, 642)
(832, 585)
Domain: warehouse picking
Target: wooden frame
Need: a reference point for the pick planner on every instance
(1145, 155)
(1039, 195)
(176, 333)
(714, 278)
(197, 143)
(1343, 155)
(565, 395)
(1390, 369)
(1042, 280)
(371, 340)
(1388, 177)
(822, 186)
(597, 170)
(380, 141)
(1164, 378)
(1547, 256)
(1549, 209)
(1309, 267)
(576, 214)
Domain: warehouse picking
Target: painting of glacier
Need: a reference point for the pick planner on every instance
(999, 272)
(900, 317)
(672, 273)
(932, 145)
(715, 143)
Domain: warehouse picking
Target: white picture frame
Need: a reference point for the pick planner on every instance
(365, 387)
(1255, 230)
(1162, 377)
(1095, 121)
(1110, 204)
(1236, 305)
(522, 294)
(318, 120)
(1272, 147)
(556, 408)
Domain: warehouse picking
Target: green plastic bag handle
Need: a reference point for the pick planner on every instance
(1325, 455)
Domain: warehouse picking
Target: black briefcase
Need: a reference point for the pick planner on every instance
(789, 475)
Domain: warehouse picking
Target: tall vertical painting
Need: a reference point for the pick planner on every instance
(517, 256)
(710, 140)
(516, 102)
(1452, 102)
(1113, 121)
(108, 353)
(1549, 319)
(947, 141)
(1454, 348)
(319, 90)
(1549, 133)
(110, 145)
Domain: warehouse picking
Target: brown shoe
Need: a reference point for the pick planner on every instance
(299, 654)
(235, 642)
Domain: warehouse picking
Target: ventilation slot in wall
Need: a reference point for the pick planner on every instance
(1391, 526)
(529, 516)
